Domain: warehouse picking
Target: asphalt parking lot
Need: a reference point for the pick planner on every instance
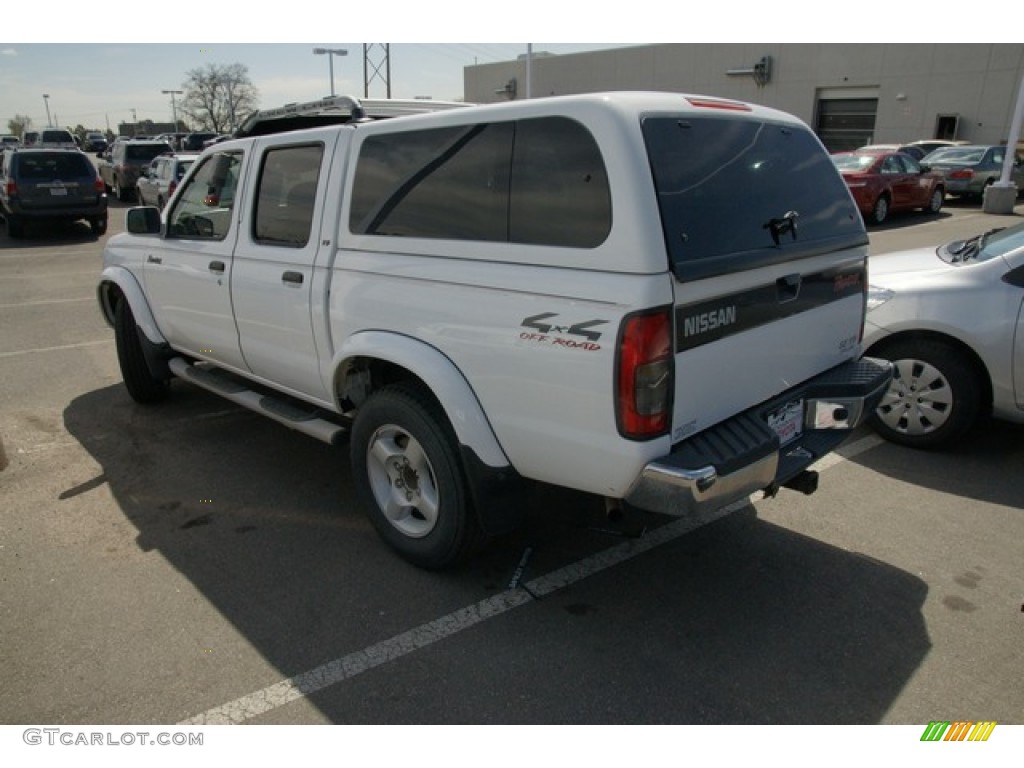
(196, 563)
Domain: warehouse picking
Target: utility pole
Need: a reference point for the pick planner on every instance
(376, 57)
(174, 109)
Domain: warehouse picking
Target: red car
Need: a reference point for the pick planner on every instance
(889, 181)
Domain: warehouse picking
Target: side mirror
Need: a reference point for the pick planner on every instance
(925, 168)
(143, 220)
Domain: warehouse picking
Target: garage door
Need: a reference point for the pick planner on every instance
(845, 123)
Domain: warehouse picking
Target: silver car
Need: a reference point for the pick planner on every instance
(951, 319)
(970, 168)
(162, 177)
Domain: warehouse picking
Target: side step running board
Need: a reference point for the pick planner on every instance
(299, 416)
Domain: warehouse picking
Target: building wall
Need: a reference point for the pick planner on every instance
(914, 83)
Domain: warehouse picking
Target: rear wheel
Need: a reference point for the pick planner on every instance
(934, 397)
(142, 385)
(409, 477)
(98, 225)
(880, 210)
(123, 194)
(935, 201)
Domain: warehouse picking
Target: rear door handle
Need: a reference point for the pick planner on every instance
(217, 266)
(292, 277)
(154, 259)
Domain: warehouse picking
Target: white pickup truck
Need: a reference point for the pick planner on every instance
(652, 297)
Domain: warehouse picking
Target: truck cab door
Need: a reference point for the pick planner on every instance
(188, 271)
(272, 282)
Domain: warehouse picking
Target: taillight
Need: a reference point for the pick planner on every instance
(644, 378)
(99, 186)
(12, 188)
(966, 173)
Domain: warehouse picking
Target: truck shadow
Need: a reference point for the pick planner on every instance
(740, 621)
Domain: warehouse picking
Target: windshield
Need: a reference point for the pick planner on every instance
(989, 245)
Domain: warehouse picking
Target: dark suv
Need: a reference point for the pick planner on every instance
(122, 164)
(53, 184)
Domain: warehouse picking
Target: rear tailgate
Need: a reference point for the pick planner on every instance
(769, 254)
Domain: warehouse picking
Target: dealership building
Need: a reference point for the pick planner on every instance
(851, 94)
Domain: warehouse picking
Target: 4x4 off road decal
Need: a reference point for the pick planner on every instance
(707, 321)
(555, 334)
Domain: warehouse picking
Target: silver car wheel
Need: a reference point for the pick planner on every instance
(919, 399)
(402, 481)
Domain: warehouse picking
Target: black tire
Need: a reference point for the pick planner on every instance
(409, 477)
(935, 396)
(142, 385)
(98, 225)
(15, 227)
(935, 201)
(880, 210)
(123, 194)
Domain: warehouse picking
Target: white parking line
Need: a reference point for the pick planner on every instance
(338, 670)
(55, 349)
(43, 302)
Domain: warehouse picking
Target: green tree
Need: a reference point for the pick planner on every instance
(218, 97)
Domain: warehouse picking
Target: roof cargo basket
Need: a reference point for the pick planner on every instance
(335, 110)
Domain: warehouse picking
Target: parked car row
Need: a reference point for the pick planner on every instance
(121, 165)
(892, 177)
(883, 180)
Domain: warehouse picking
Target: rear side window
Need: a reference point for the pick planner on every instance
(538, 181)
(739, 194)
(286, 194)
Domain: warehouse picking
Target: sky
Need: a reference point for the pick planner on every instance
(99, 85)
(101, 68)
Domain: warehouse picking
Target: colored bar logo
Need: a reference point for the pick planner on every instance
(958, 730)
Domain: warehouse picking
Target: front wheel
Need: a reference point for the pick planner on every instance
(409, 477)
(934, 397)
(142, 385)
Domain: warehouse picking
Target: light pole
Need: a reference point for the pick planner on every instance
(174, 109)
(331, 53)
(46, 101)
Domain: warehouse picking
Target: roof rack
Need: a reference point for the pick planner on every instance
(335, 110)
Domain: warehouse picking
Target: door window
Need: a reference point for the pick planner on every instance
(203, 211)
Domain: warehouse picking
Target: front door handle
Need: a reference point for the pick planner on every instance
(217, 266)
(292, 277)
(151, 259)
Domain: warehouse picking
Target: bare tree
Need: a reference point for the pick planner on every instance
(18, 124)
(219, 97)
